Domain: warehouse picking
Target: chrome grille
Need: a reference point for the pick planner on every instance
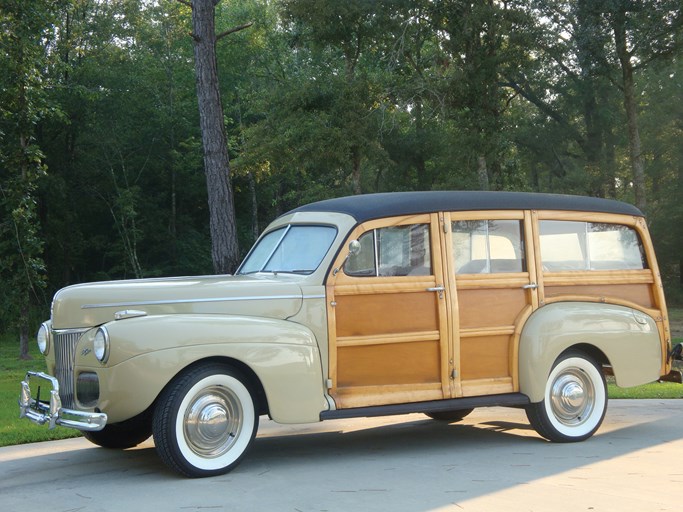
(65, 355)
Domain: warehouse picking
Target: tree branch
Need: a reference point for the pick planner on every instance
(233, 30)
(546, 109)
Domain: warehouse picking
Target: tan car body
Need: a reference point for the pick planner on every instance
(627, 339)
(295, 336)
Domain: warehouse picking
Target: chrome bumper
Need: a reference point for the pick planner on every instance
(52, 413)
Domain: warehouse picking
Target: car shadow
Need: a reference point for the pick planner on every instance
(417, 463)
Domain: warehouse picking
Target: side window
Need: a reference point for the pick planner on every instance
(364, 263)
(393, 251)
(488, 246)
(570, 245)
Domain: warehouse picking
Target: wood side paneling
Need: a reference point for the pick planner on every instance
(367, 315)
(389, 364)
(494, 386)
(363, 396)
(485, 357)
(640, 294)
(490, 307)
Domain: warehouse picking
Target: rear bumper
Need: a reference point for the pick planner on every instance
(51, 412)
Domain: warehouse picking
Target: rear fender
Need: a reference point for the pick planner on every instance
(628, 338)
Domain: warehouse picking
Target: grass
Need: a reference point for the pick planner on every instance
(654, 390)
(12, 371)
(15, 431)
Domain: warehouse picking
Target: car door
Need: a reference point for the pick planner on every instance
(389, 336)
(493, 271)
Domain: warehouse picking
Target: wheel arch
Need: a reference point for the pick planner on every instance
(618, 336)
(591, 351)
(252, 379)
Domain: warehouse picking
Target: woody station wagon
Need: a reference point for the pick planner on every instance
(430, 302)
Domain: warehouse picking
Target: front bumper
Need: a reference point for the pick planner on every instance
(51, 412)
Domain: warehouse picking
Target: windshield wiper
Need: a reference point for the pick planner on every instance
(263, 271)
(293, 271)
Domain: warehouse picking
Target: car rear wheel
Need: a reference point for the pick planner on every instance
(574, 402)
(205, 421)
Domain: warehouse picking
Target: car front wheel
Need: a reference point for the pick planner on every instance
(205, 421)
(126, 434)
(574, 402)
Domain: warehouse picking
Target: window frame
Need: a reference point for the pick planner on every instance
(285, 228)
(376, 245)
(525, 242)
(584, 245)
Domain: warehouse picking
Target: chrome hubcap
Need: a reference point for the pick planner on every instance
(572, 397)
(213, 422)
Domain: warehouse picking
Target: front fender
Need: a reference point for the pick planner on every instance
(148, 352)
(627, 337)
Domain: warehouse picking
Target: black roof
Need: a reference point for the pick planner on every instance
(372, 206)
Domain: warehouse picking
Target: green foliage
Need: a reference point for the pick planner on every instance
(12, 371)
(321, 98)
(101, 162)
(24, 103)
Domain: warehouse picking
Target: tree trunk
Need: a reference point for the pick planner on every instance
(24, 330)
(254, 205)
(423, 181)
(224, 247)
(356, 174)
(619, 27)
(482, 173)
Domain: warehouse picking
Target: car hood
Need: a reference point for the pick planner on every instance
(92, 304)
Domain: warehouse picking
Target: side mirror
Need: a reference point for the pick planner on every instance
(354, 250)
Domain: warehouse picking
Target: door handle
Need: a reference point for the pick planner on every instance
(439, 289)
(530, 286)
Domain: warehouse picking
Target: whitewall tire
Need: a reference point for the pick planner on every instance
(205, 421)
(574, 402)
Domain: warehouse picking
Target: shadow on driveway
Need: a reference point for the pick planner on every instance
(491, 461)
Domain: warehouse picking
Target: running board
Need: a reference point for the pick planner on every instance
(453, 404)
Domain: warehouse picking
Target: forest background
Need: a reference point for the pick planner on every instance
(101, 170)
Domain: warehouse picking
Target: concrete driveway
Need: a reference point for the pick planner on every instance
(490, 462)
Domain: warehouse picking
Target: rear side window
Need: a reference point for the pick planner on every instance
(488, 246)
(570, 245)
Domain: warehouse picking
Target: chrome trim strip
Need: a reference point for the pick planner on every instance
(79, 330)
(195, 301)
(65, 342)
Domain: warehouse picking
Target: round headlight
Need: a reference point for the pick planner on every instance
(101, 345)
(43, 338)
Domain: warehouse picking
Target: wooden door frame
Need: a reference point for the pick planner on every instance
(489, 281)
(339, 284)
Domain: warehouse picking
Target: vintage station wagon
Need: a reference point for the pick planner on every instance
(431, 302)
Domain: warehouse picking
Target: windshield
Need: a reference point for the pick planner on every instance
(291, 249)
